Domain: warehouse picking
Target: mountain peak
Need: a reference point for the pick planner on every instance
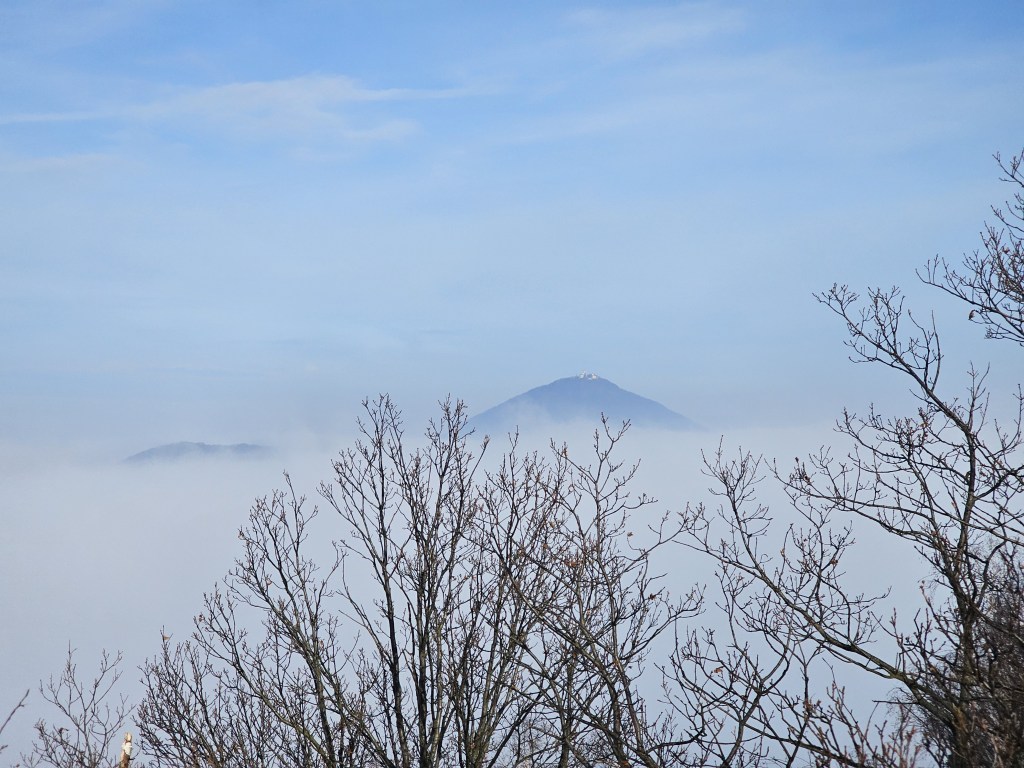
(580, 398)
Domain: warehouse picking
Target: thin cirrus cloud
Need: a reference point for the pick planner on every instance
(307, 107)
(626, 33)
(813, 99)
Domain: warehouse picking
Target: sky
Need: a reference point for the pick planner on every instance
(232, 221)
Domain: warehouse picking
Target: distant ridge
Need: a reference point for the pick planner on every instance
(181, 451)
(579, 398)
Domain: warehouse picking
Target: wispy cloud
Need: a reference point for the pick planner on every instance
(48, 25)
(629, 32)
(298, 108)
(73, 162)
(29, 118)
(806, 99)
(331, 107)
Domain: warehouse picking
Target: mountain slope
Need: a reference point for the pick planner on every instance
(579, 398)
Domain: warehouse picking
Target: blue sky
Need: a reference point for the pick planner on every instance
(225, 220)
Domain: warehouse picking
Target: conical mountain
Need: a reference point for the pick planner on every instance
(581, 398)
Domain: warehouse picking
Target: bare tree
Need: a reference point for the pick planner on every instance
(991, 280)
(944, 481)
(466, 618)
(90, 714)
(405, 649)
(603, 617)
(438, 672)
(10, 715)
(196, 713)
(259, 683)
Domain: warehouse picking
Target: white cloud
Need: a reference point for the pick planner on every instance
(302, 106)
(323, 107)
(27, 118)
(48, 25)
(626, 33)
(67, 163)
(802, 98)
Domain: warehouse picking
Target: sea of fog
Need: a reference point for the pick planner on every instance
(99, 554)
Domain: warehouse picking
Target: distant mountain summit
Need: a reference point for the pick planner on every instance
(181, 451)
(581, 398)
